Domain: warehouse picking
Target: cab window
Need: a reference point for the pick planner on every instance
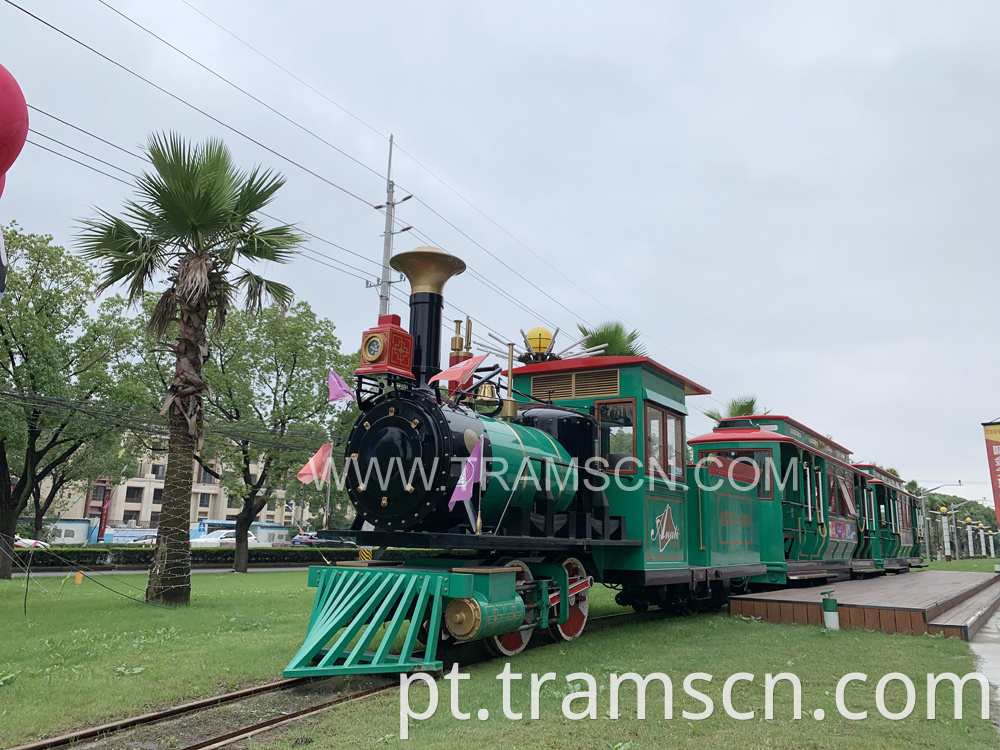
(616, 420)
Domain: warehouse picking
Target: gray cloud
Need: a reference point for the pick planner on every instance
(792, 199)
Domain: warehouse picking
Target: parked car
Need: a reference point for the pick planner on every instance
(309, 539)
(223, 538)
(306, 539)
(20, 541)
(146, 540)
(334, 541)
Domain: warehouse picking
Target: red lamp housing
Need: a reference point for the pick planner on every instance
(386, 349)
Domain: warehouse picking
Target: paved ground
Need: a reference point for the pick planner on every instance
(986, 645)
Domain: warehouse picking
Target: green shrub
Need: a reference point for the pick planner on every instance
(133, 555)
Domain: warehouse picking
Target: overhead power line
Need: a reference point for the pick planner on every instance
(281, 67)
(484, 279)
(188, 104)
(242, 90)
(76, 161)
(309, 253)
(365, 276)
(589, 293)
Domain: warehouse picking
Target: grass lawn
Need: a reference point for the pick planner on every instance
(84, 655)
(714, 643)
(975, 565)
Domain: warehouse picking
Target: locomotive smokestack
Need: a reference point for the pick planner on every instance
(428, 270)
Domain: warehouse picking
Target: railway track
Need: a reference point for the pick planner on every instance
(103, 731)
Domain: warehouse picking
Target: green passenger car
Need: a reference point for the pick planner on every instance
(898, 513)
(809, 521)
(699, 535)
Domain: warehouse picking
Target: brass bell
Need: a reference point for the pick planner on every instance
(487, 393)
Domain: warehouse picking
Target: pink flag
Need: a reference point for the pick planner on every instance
(460, 372)
(339, 389)
(472, 473)
(318, 468)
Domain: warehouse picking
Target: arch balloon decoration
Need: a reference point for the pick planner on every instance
(13, 132)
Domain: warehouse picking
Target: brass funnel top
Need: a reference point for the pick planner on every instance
(427, 268)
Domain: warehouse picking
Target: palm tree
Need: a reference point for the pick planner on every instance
(741, 406)
(193, 223)
(620, 341)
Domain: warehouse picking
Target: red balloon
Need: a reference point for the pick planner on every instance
(13, 119)
(3, 181)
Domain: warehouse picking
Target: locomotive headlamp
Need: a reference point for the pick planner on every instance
(386, 349)
(373, 348)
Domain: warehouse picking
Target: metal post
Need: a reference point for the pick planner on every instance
(947, 537)
(390, 206)
(992, 549)
(925, 526)
(982, 541)
(958, 547)
(968, 534)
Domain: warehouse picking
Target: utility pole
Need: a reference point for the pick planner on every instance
(390, 216)
(390, 213)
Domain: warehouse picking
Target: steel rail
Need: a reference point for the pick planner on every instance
(102, 730)
(264, 726)
(90, 733)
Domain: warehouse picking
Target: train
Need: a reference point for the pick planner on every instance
(524, 487)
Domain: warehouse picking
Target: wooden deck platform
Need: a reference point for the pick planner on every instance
(929, 601)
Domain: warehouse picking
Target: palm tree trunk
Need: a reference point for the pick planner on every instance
(170, 572)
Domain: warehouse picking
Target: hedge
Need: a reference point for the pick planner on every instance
(131, 555)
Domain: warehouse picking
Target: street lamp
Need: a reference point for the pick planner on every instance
(926, 520)
(954, 523)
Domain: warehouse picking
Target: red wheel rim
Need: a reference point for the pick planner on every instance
(511, 644)
(579, 606)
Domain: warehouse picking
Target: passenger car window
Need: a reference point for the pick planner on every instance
(664, 443)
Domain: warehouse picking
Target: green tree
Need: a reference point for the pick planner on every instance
(620, 341)
(103, 456)
(59, 365)
(193, 222)
(269, 407)
(741, 406)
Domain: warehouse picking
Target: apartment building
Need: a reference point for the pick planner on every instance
(137, 500)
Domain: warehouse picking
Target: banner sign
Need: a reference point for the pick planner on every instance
(992, 430)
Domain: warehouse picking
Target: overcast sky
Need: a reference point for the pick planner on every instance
(791, 199)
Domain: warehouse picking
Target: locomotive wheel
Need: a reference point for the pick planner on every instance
(444, 637)
(511, 644)
(579, 605)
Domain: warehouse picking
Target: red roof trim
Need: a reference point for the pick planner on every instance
(603, 363)
(883, 472)
(798, 424)
(756, 435)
